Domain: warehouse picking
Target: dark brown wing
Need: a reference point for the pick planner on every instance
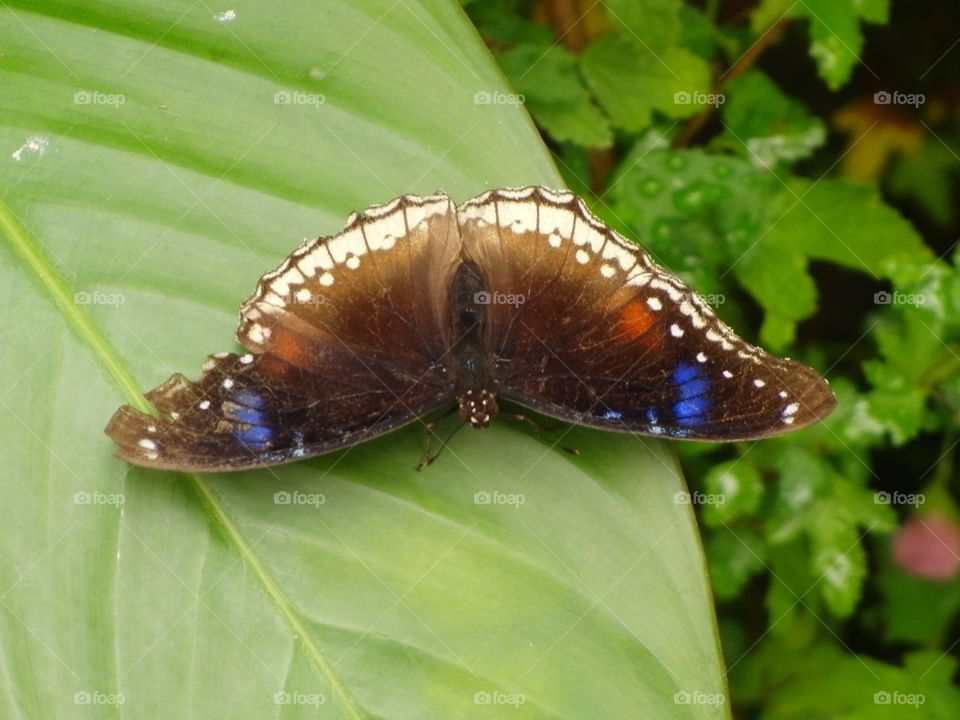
(346, 336)
(598, 334)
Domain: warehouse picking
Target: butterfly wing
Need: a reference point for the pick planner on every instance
(346, 338)
(586, 328)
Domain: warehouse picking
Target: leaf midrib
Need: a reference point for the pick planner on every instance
(80, 322)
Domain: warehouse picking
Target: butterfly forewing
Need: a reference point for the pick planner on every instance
(599, 334)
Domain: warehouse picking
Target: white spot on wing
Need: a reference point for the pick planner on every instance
(654, 303)
(676, 330)
(583, 257)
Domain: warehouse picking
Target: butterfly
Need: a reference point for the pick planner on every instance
(419, 304)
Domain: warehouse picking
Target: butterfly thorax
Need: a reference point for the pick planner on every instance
(470, 360)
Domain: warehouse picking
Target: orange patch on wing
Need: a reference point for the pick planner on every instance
(636, 320)
(287, 346)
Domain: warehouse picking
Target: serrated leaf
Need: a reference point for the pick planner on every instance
(828, 220)
(740, 487)
(767, 126)
(836, 39)
(549, 80)
(650, 24)
(631, 83)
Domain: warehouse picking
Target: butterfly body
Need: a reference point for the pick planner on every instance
(419, 304)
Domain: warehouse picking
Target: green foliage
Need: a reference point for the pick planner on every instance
(809, 242)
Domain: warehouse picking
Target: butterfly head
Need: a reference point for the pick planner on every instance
(478, 407)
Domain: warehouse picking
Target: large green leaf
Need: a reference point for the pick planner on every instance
(135, 218)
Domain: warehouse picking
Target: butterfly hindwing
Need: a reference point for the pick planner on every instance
(345, 337)
(599, 334)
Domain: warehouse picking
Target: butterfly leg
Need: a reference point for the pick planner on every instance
(539, 429)
(427, 457)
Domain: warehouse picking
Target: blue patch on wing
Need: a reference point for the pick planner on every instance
(693, 404)
(612, 415)
(250, 422)
(256, 437)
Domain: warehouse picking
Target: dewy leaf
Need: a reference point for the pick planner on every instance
(155, 162)
(631, 82)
